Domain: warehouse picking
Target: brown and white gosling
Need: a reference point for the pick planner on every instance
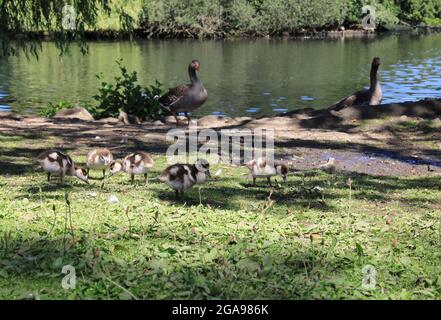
(57, 162)
(134, 164)
(261, 168)
(181, 177)
(99, 159)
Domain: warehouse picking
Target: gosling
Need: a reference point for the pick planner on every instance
(134, 164)
(329, 166)
(181, 177)
(261, 168)
(57, 162)
(99, 159)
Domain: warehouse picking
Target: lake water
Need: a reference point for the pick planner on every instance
(243, 77)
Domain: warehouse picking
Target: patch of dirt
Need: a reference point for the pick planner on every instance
(305, 138)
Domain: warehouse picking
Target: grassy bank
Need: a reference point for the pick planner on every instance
(307, 239)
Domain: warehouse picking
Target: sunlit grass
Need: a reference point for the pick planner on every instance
(306, 239)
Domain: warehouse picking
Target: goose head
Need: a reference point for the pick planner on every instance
(195, 65)
(376, 62)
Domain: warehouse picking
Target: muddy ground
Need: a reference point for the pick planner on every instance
(392, 139)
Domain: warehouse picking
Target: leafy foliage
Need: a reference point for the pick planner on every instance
(214, 18)
(22, 19)
(127, 95)
(51, 109)
(123, 95)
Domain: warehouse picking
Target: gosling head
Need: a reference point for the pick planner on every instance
(116, 167)
(251, 164)
(104, 160)
(82, 174)
(203, 166)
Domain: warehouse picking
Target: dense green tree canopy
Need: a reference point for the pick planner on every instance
(21, 20)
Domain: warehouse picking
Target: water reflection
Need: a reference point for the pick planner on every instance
(257, 77)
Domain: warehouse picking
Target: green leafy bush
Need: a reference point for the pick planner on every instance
(127, 95)
(51, 109)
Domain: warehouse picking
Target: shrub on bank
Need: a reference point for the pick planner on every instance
(125, 94)
(128, 96)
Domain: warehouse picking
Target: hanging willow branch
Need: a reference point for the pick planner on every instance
(23, 23)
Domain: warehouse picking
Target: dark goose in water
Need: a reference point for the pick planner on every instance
(371, 96)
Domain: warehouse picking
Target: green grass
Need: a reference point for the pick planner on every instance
(307, 239)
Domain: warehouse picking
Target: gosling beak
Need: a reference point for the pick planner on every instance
(208, 173)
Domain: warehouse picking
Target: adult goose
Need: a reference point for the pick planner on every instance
(188, 97)
(371, 96)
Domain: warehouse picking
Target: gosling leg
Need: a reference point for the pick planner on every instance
(269, 181)
(188, 117)
(176, 118)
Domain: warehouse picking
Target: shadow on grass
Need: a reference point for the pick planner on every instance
(231, 275)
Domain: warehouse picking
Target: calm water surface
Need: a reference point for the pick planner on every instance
(243, 77)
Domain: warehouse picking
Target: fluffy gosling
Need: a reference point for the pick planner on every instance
(181, 177)
(261, 168)
(134, 164)
(329, 166)
(57, 162)
(99, 159)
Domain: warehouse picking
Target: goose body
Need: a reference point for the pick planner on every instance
(57, 162)
(371, 96)
(261, 168)
(181, 177)
(188, 97)
(99, 159)
(134, 164)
